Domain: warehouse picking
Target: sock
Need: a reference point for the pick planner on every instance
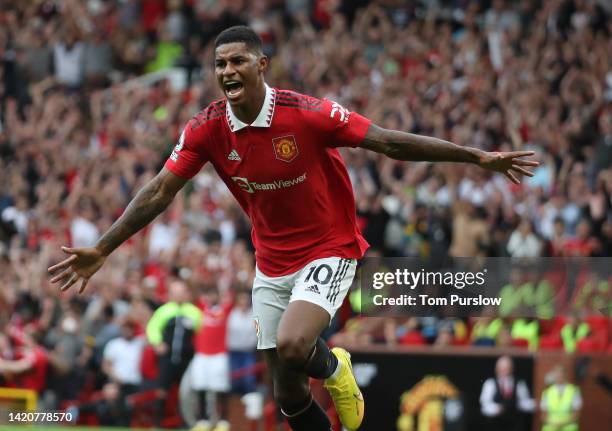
(336, 373)
(203, 407)
(321, 363)
(310, 417)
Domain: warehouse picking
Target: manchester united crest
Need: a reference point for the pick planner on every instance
(285, 148)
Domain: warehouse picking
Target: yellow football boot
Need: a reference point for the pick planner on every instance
(345, 392)
(222, 426)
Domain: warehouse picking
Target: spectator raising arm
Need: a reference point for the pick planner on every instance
(150, 201)
(17, 366)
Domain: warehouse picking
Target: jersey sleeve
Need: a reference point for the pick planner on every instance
(188, 156)
(341, 127)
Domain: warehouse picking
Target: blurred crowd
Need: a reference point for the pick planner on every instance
(80, 133)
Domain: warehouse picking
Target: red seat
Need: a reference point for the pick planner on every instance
(559, 323)
(142, 398)
(547, 326)
(520, 342)
(551, 342)
(143, 402)
(599, 324)
(551, 333)
(412, 338)
(461, 341)
(590, 345)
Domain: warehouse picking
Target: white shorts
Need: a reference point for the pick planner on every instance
(210, 372)
(323, 282)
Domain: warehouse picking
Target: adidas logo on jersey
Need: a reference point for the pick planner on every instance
(314, 289)
(233, 155)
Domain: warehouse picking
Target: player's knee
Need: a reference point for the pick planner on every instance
(293, 350)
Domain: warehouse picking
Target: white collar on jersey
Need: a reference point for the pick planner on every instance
(264, 119)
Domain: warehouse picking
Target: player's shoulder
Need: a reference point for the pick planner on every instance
(214, 111)
(294, 100)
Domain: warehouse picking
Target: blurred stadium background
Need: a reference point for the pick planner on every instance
(93, 95)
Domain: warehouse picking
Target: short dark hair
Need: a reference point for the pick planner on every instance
(240, 33)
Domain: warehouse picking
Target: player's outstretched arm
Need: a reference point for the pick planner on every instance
(410, 147)
(148, 203)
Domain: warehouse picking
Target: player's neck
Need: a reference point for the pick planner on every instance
(248, 112)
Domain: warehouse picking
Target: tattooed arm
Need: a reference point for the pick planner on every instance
(148, 203)
(410, 147)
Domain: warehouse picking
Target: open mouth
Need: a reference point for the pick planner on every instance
(233, 89)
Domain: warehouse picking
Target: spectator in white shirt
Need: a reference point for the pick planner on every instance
(69, 61)
(163, 237)
(83, 231)
(17, 216)
(523, 242)
(121, 362)
(122, 357)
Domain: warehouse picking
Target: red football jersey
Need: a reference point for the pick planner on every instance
(36, 377)
(211, 339)
(286, 173)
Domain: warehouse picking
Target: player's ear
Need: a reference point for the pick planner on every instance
(262, 63)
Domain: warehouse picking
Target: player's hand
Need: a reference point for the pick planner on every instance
(80, 265)
(509, 163)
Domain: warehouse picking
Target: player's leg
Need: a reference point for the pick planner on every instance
(298, 342)
(291, 390)
(203, 421)
(319, 290)
(301, 349)
(200, 383)
(220, 386)
(222, 405)
(292, 394)
(166, 372)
